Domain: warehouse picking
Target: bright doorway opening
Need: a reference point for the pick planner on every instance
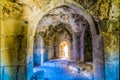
(64, 50)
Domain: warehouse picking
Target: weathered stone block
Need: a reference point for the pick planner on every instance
(112, 70)
(98, 54)
(29, 70)
(98, 70)
(11, 43)
(2, 41)
(11, 57)
(2, 28)
(109, 57)
(39, 75)
(10, 27)
(13, 73)
(5, 57)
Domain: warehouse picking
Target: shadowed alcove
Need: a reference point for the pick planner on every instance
(88, 56)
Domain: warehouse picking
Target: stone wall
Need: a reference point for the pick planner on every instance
(18, 21)
(108, 13)
(13, 30)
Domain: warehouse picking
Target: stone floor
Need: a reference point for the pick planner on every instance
(59, 70)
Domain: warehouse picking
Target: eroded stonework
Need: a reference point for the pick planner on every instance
(19, 18)
(64, 15)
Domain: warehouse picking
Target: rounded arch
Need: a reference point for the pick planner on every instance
(98, 56)
(71, 40)
(70, 32)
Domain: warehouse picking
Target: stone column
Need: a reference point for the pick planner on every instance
(98, 58)
(75, 49)
(82, 47)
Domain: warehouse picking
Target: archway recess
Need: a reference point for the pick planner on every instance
(78, 19)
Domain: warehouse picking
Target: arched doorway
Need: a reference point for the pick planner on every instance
(64, 50)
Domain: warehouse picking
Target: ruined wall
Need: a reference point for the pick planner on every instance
(16, 39)
(13, 30)
(108, 13)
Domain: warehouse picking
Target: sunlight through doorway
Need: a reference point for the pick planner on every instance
(63, 49)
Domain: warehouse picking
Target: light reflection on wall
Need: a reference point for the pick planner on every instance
(42, 56)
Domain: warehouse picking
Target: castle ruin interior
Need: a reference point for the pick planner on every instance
(59, 39)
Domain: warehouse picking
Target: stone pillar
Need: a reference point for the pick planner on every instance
(37, 49)
(75, 49)
(82, 47)
(78, 48)
(98, 59)
(98, 70)
(30, 62)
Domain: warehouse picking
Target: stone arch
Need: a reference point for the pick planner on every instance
(98, 59)
(69, 49)
(71, 38)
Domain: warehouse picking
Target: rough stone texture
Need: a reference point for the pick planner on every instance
(39, 75)
(13, 39)
(63, 17)
(17, 15)
(77, 26)
(108, 12)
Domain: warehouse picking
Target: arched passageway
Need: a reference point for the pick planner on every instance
(65, 22)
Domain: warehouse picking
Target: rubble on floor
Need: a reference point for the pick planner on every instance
(62, 70)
